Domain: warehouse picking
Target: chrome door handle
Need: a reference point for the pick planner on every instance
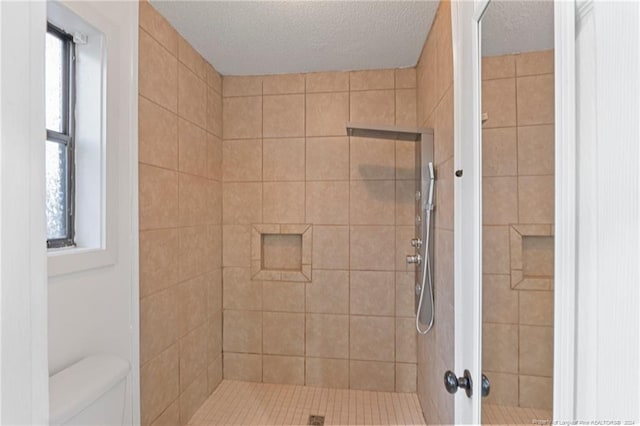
(452, 383)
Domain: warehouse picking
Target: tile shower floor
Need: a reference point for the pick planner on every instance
(243, 403)
(502, 415)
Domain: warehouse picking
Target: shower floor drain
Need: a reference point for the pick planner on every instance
(316, 420)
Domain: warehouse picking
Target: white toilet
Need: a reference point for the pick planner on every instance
(89, 392)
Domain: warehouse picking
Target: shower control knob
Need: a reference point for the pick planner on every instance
(416, 242)
(418, 289)
(415, 260)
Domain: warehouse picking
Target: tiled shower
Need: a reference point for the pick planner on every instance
(272, 245)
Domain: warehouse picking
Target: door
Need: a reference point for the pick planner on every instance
(465, 18)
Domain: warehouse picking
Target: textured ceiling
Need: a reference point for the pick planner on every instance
(513, 26)
(255, 37)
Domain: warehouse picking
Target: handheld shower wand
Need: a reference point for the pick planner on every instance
(427, 278)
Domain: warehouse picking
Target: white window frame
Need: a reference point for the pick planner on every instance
(96, 179)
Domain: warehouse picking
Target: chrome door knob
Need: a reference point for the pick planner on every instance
(416, 242)
(415, 260)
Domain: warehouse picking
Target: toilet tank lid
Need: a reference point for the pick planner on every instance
(79, 385)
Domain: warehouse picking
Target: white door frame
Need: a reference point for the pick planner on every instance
(564, 321)
(466, 17)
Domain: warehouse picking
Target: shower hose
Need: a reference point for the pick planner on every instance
(426, 271)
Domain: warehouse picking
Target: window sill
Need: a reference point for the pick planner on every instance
(67, 260)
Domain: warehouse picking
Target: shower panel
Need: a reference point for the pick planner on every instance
(423, 241)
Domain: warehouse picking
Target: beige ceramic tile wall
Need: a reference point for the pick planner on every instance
(435, 109)
(518, 164)
(287, 159)
(180, 126)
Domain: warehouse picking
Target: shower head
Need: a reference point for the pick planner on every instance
(432, 173)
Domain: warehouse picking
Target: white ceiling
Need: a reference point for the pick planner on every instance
(254, 37)
(513, 26)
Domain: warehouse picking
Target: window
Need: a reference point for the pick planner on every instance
(59, 152)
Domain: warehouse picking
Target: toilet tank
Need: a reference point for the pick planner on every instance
(89, 392)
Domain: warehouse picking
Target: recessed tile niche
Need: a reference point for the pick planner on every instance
(281, 252)
(531, 257)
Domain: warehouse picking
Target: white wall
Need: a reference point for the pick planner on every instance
(608, 214)
(23, 287)
(96, 310)
(85, 312)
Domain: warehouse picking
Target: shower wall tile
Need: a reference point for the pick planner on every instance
(325, 372)
(242, 160)
(158, 323)
(405, 160)
(192, 97)
(158, 27)
(158, 197)
(242, 331)
(192, 398)
(500, 152)
(406, 338)
(495, 250)
(303, 169)
(214, 112)
(371, 338)
(373, 106)
(405, 291)
(535, 100)
(371, 159)
(284, 159)
(372, 202)
(500, 200)
(192, 303)
(327, 82)
(327, 336)
(536, 199)
(283, 202)
(372, 79)
(443, 137)
(494, 67)
(283, 333)
(406, 112)
(522, 151)
(247, 367)
(536, 150)
(499, 102)
(242, 117)
(283, 84)
(283, 116)
(536, 392)
(405, 78)
(327, 202)
(372, 375)
(241, 86)
(328, 293)
(159, 384)
(369, 248)
(500, 348)
(157, 135)
(370, 293)
(193, 357)
(191, 58)
(500, 302)
(158, 70)
(327, 158)
(331, 247)
(406, 377)
(242, 203)
(180, 114)
(327, 114)
(535, 63)
(283, 369)
(192, 148)
(159, 252)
